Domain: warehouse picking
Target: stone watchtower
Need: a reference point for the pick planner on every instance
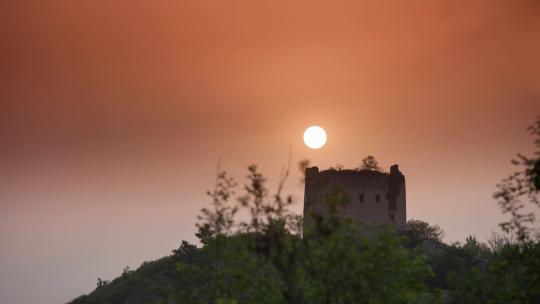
(375, 198)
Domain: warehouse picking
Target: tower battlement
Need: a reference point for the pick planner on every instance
(375, 198)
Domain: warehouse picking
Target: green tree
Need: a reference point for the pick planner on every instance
(263, 208)
(335, 262)
(370, 163)
(418, 232)
(219, 219)
(268, 260)
(226, 269)
(523, 184)
(511, 277)
(509, 272)
(185, 248)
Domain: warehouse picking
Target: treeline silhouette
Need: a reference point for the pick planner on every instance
(268, 258)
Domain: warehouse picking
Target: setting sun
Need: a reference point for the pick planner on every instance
(315, 137)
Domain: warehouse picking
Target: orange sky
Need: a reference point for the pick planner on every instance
(114, 115)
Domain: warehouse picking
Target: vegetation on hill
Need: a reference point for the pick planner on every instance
(269, 259)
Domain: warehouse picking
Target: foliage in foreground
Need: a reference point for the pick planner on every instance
(265, 259)
(511, 274)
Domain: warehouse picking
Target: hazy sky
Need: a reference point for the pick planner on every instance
(113, 116)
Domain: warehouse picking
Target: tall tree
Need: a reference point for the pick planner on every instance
(370, 163)
(522, 185)
(220, 218)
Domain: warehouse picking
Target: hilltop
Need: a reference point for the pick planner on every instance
(152, 283)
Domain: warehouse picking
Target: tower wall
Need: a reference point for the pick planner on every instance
(374, 197)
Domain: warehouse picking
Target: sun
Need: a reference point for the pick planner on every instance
(315, 137)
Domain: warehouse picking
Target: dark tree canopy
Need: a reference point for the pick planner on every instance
(266, 257)
(520, 187)
(370, 163)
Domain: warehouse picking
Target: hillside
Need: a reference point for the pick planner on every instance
(151, 283)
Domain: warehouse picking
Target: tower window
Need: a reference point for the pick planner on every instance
(378, 198)
(361, 198)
